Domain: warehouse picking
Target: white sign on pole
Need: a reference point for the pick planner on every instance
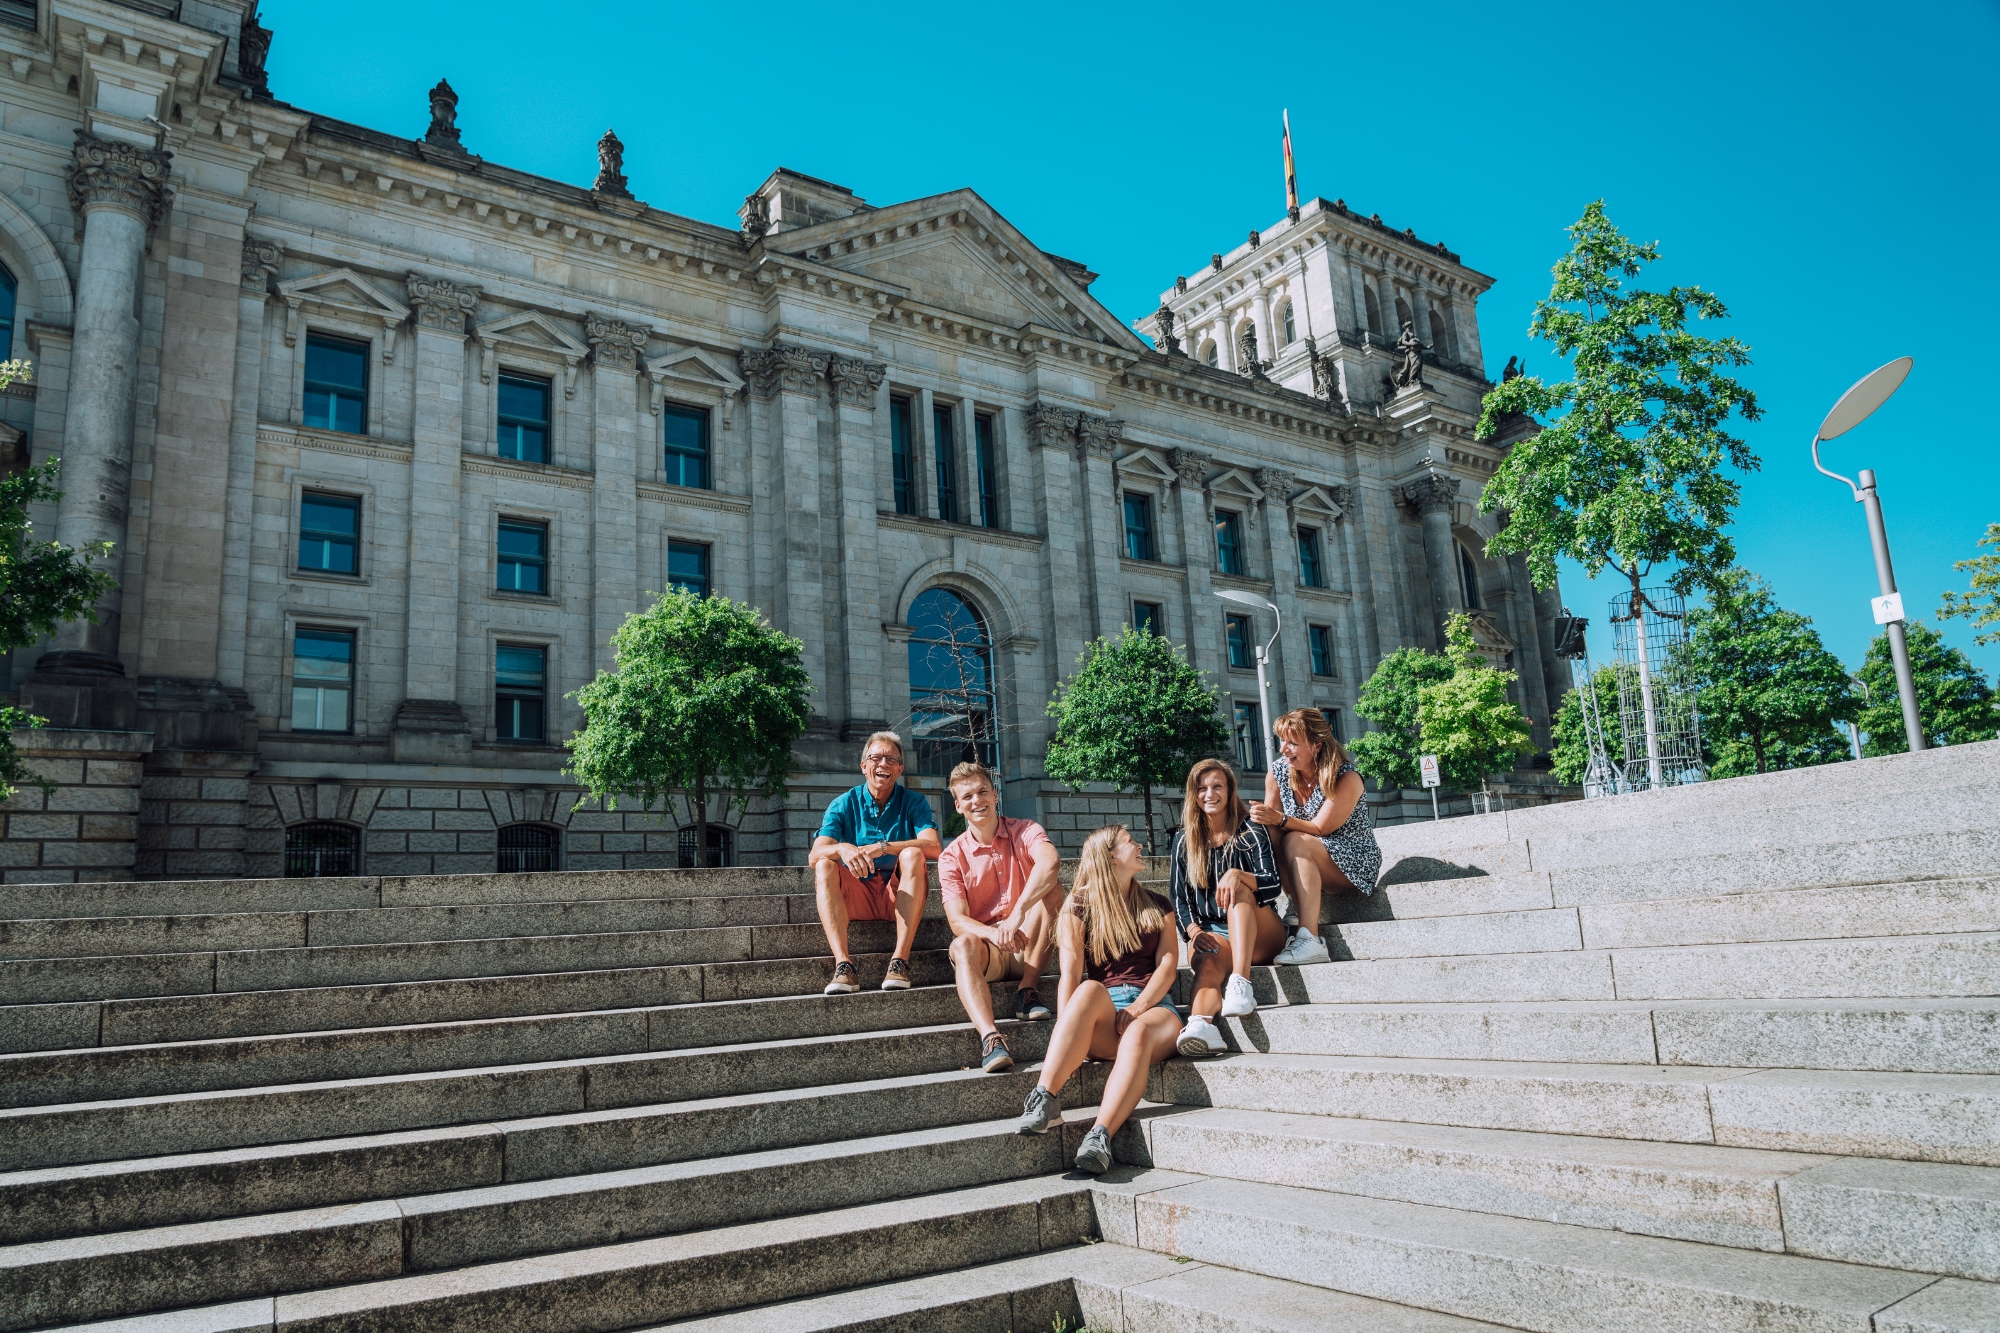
(1888, 608)
(1430, 767)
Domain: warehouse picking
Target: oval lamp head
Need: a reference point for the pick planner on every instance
(1243, 598)
(1869, 393)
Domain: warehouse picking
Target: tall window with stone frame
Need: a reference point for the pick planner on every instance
(1312, 571)
(1468, 579)
(1319, 649)
(989, 474)
(1229, 541)
(902, 454)
(1139, 540)
(1242, 641)
(1403, 315)
(1374, 309)
(8, 291)
(1249, 737)
(520, 691)
(524, 418)
(336, 393)
(329, 533)
(1210, 356)
(523, 563)
(322, 680)
(687, 567)
(1291, 325)
(947, 471)
(685, 439)
(1147, 619)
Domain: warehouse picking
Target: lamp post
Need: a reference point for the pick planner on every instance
(1853, 729)
(1854, 407)
(1263, 662)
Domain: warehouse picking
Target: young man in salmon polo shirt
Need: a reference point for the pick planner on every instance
(870, 861)
(999, 883)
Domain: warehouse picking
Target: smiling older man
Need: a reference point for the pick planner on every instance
(869, 862)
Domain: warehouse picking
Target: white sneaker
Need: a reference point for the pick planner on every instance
(1237, 998)
(1305, 947)
(1199, 1039)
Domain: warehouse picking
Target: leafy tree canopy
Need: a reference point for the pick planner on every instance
(707, 699)
(1981, 605)
(1389, 699)
(1770, 692)
(1629, 470)
(1954, 700)
(1137, 714)
(1570, 757)
(1467, 720)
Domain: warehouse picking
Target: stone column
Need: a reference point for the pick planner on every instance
(1050, 432)
(614, 491)
(1536, 648)
(1260, 317)
(1202, 623)
(1225, 337)
(118, 192)
(1096, 437)
(1432, 498)
(1555, 671)
(856, 386)
(260, 266)
(795, 378)
(1290, 666)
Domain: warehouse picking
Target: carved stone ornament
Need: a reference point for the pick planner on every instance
(1097, 435)
(1215, 261)
(1190, 466)
(756, 217)
(1276, 483)
(1513, 370)
(253, 46)
(855, 382)
(1164, 318)
(260, 263)
(1431, 494)
(1342, 495)
(611, 166)
(613, 343)
(1051, 427)
(110, 173)
(1180, 285)
(1247, 364)
(444, 117)
(1255, 239)
(1409, 373)
(441, 305)
(1326, 377)
(785, 368)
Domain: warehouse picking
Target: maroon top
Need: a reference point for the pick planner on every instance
(1132, 969)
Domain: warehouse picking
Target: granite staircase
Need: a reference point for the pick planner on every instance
(1725, 1057)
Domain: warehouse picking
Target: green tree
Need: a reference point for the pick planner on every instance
(1982, 604)
(1570, 757)
(1954, 700)
(1137, 715)
(42, 585)
(1389, 699)
(1467, 720)
(707, 699)
(1628, 473)
(1770, 692)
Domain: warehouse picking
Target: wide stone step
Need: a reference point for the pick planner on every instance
(44, 1136)
(1549, 930)
(92, 1199)
(1915, 1215)
(1913, 1035)
(133, 1272)
(1904, 965)
(1919, 1117)
(1471, 979)
(152, 1070)
(1513, 1271)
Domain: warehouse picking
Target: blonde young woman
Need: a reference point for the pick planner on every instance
(1314, 809)
(1225, 885)
(1119, 961)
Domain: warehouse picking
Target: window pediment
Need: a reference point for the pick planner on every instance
(343, 292)
(1316, 500)
(1144, 464)
(534, 334)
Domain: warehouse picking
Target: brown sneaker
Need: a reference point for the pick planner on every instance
(845, 981)
(994, 1057)
(898, 977)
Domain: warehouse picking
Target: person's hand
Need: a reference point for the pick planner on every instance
(860, 860)
(1008, 935)
(1262, 813)
(1203, 941)
(1120, 1023)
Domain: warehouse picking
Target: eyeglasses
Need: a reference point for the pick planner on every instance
(892, 760)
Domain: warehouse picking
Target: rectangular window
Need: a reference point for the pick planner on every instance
(687, 567)
(1146, 618)
(1228, 541)
(1311, 574)
(1249, 738)
(1240, 642)
(524, 556)
(947, 473)
(1332, 716)
(322, 679)
(989, 477)
(519, 689)
(1319, 647)
(686, 432)
(1139, 544)
(336, 384)
(524, 418)
(901, 457)
(329, 533)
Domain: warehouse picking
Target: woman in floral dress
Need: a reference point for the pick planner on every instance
(1314, 808)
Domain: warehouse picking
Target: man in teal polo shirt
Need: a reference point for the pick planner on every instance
(869, 862)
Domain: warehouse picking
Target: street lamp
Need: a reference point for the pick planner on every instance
(1853, 408)
(1263, 661)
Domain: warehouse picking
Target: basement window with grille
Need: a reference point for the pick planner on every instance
(720, 850)
(527, 847)
(314, 851)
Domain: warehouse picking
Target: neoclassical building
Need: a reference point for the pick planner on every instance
(389, 438)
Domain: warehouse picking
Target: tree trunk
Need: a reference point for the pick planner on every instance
(1757, 744)
(1147, 789)
(1653, 774)
(701, 826)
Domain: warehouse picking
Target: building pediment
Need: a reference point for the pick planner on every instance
(692, 366)
(1145, 464)
(1321, 501)
(343, 292)
(535, 335)
(1234, 485)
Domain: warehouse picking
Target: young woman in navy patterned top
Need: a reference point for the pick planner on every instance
(1224, 884)
(1314, 810)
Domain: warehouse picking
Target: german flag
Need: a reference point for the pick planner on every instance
(1291, 175)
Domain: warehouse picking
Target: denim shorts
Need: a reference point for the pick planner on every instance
(1122, 996)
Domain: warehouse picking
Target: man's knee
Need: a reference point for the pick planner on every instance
(826, 874)
(967, 952)
(912, 869)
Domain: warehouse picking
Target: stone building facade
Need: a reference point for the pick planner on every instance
(390, 437)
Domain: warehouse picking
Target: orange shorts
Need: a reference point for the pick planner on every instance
(871, 899)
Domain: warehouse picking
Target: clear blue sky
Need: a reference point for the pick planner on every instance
(1829, 171)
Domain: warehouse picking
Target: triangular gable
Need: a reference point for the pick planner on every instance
(1144, 464)
(1491, 641)
(1315, 499)
(693, 365)
(348, 293)
(534, 333)
(1236, 484)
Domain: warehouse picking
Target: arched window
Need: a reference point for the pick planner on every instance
(529, 847)
(951, 685)
(7, 292)
(313, 851)
(1291, 326)
(1403, 315)
(1442, 335)
(1468, 579)
(1374, 309)
(1209, 355)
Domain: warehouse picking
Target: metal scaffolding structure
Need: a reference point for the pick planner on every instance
(1657, 716)
(1601, 776)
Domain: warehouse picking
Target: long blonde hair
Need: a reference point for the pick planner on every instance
(1308, 726)
(1195, 832)
(1114, 919)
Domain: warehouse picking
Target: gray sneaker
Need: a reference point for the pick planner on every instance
(1039, 1112)
(1094, 1154)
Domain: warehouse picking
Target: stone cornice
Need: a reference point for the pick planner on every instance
(937, 527)
(699, 499)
